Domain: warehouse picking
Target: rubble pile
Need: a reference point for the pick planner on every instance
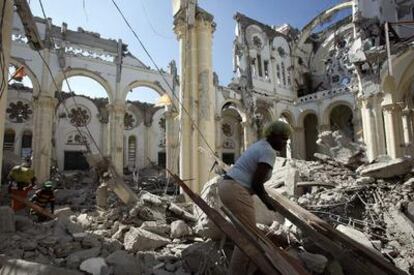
(373, 204)
(155, 236)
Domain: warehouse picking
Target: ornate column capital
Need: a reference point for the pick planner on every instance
(116, 108)
(390, 108)
(45, 102)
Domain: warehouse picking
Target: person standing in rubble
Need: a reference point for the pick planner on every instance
(42, 197)
(21, 182)
(246, 178)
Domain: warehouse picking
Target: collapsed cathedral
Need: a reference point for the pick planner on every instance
(327, 76)
(339, 198)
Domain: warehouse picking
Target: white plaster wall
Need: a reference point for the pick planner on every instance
(63, 128)
(156, 135)
(139, 132)
(19, 128)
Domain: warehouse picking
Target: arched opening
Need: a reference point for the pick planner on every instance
(26, 149)
(8, 142)
(341, 118)
(231, 134)
(84, 85)
(132, 151)
(262, 117)
(146, 123)
(310, 124)
(287, 153)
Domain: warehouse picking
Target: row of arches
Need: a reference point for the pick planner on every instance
(234, 130)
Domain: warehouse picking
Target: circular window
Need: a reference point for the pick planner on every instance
(79, 117)
(19, 112)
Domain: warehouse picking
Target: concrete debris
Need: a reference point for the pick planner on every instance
(180, 229)
(95, 266)
(137, 239)
(387, 168)
(160, 234)
(341, 148)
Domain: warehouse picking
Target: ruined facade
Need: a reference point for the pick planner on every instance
(327, 76)
(58, 128)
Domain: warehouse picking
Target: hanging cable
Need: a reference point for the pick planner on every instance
(193, 123)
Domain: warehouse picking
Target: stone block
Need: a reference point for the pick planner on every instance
(123, 263)
(159, 228)
(137, 239)
(387, 168)
(180, 229)
(94, 266)
(22, 267)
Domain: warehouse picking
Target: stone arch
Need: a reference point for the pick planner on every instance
(326, 112)
(405, 85)
(30, 74)
(60, 78)
(231, 140)
(9, 139)
(303, 114)
(289, 117)
(341, 118)
(143, 83)
(238, 107)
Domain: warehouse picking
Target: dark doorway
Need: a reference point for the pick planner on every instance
(162, 159)
(75, 160)
(228, 158)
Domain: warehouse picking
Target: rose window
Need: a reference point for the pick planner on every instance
(79, 117)
(19, 112)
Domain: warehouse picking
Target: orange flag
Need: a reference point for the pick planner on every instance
(19, 74)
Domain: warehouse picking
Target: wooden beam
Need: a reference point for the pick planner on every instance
(354, 257)
(243, 242)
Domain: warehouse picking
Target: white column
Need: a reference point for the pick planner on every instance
(5, 52)
(44, 114)
(393, 130)
(171, 141)
(249, 133)
(116, 120)
(408, 130)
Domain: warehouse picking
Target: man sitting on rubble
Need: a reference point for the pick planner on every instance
(21, 182)
(43, 197)
(245, 178)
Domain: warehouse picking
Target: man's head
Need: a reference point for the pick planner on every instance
(48, 185)
(277, 134)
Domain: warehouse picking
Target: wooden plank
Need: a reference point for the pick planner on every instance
(262, 242)
(33, 206)
(255, 254)
(354, 257)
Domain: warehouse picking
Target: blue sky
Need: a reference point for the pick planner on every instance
(152, 20)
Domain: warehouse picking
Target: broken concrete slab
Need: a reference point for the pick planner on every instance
(137, 239)
(123, 263)
(159, 228)
(22, 267)
(357, 236)
(387, 169)
(74, 259)
(95, 266)
(180, 229)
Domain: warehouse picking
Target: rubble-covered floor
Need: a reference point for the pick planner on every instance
(162, 234)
